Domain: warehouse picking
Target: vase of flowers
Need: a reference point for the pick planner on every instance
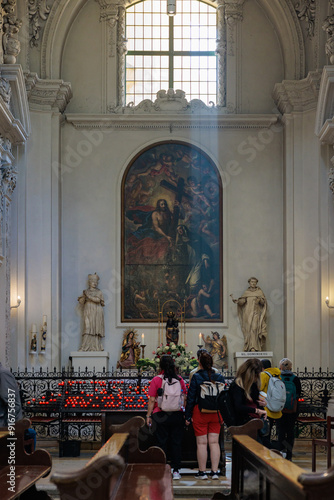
(184, 361)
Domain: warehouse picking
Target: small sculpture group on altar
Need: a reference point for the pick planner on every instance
(130, 350)
(172, 328)
(217, 347)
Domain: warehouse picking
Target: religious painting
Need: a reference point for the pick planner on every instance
(172, 234)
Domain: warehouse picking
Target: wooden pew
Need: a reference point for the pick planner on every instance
(258, 472)
(25, 469)
(119, 470)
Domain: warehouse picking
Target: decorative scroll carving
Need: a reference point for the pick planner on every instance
(306, 10)
(122, 50)
(109, 14)
(292, 95)
(5, 90)
(47, 94)
(170, 101)
(38, 11)
(233, 15)
(328, 26)
(221, 53)
(331, 176)
(11, 27)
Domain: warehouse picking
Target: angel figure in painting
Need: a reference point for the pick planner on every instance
(130, 350)
(217, 347)
(92, 303)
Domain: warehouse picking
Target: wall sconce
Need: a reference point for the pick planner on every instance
(18, 303)
(327, 303)
(171, 7)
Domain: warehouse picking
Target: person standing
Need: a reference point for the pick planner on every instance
(245, 392)
(273, 416)
(195, 370)
(206, 425)
(168, 426)
(286, 424)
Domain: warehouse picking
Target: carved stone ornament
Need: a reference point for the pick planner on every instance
(38, 12)
(109, 14)
(47, 94)
(306, 10)
(301, 95)
(11, 27)
(328, 26)
(170, 101)
(5, 90)
(331, 176)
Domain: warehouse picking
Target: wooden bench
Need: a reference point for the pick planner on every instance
(120, 470)
(258, 472)
(24, 469)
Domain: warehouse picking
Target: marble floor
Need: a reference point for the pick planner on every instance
(187, 488)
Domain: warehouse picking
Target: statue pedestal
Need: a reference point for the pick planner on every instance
(93, 360)
(241, 357)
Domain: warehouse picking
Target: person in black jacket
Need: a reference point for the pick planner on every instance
(245, 390)
(206, 425)
(286, 424)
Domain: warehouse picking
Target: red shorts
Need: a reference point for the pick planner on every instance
(205, 423)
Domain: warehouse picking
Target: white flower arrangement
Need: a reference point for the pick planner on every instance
(184, 361)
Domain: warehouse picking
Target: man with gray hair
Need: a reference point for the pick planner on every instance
(286, 424)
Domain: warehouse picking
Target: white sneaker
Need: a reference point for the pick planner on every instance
(176, 474)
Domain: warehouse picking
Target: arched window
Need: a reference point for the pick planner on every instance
(171, 52)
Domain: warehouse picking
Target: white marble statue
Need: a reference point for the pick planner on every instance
(252, 311)
(92, 304)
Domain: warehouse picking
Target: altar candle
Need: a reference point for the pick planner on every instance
(200, 339)
(142, 339)
(44, 319)
(34, 328)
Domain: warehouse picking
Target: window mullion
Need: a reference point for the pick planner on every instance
(171, 53)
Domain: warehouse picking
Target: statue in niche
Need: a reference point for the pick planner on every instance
(217, 347)
(172, 328)
(92, 303)
(252, 312)
(130, 350)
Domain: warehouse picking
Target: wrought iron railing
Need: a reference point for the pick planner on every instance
(66, 404)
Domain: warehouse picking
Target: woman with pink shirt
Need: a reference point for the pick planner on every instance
(168, 426)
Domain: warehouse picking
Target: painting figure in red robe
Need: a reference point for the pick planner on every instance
(152, 240)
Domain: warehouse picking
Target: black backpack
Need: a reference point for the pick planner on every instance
(225, 407)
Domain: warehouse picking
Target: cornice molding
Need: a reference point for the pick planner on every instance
(325, 109)
(47, 95)
(171, 121)
(297, 95)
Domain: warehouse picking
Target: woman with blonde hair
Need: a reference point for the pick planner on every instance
(244, 392)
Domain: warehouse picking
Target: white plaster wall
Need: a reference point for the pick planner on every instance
(261, 63)
(91, 201)
(83, 60)
(34, 247)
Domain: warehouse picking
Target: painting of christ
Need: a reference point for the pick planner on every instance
(172, 234)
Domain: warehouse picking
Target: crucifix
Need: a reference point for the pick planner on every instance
(179, 192)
